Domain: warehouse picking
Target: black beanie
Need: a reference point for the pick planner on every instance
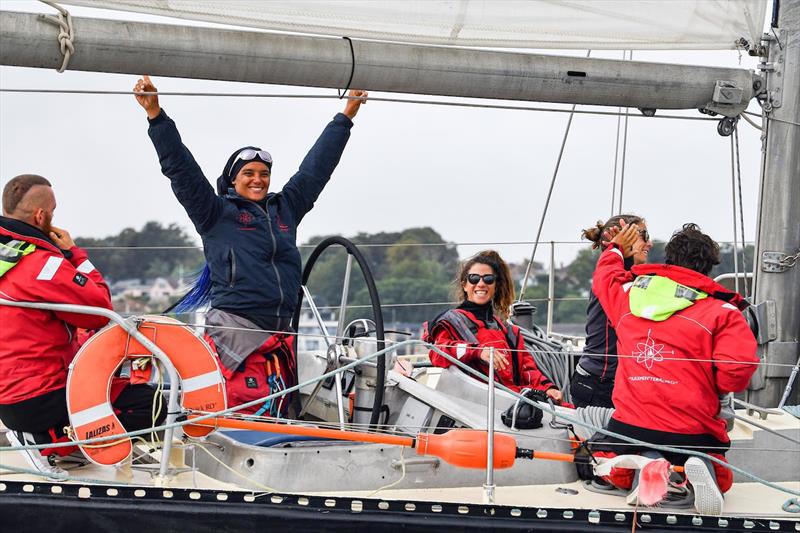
(233, 166)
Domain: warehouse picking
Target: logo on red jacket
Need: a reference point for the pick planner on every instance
(245, 218)
(649, 352)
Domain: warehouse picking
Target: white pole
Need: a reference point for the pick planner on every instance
(489, 486)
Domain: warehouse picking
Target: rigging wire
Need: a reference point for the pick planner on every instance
(547, 200)
(733, 193)
(371, 99)
(741, 211)
(550, 409)
(616, 156)
(624, 148)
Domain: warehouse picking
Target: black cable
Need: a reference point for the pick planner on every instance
(352, 69)
(776, 9)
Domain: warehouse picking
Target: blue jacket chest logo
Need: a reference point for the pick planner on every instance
(245, 220)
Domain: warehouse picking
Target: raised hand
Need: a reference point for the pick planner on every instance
(148, 101)
(353, 105)
(627, 236)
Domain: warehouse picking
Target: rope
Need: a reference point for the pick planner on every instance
(371, 99)
(65, 33)
(547, 200)
(549, 357)
(751, 121)
(234, 471)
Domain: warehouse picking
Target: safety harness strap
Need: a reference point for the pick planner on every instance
(11, 251)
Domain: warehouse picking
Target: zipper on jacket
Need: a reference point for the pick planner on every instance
(272, 257)
(232, 260)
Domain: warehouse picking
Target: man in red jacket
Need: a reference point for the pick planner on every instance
(40, 263)
(683, 341)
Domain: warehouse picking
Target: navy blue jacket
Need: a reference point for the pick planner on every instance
(601, 339)
(250, 247)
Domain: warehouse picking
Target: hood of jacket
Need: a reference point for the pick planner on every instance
(659, 291)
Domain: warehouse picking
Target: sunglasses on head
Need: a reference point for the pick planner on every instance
(488, 279)
(248, 154)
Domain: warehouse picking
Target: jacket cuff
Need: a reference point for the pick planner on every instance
(75, 254)
(340, 119)
(161, 117)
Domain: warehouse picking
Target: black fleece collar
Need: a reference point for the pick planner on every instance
(483, 312)
(24, 229)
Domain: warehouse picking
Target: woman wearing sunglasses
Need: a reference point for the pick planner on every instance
(593, 380)
(471, 330)
(252, 275)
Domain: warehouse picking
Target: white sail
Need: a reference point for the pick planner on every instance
(560, 24)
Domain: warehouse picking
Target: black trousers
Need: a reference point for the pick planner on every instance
(591, 390)
(47, 413)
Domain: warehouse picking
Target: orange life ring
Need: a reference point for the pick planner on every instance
(89, 382)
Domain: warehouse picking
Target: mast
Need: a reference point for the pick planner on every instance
(209, 53)
(778, 237)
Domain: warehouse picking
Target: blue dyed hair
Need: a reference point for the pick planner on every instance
(198, 296)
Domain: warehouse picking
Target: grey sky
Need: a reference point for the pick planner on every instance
(474, 175)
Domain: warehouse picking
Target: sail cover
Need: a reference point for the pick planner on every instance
(559, 24)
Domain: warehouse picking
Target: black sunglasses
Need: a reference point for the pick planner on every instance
(644, 235)
(488, 279)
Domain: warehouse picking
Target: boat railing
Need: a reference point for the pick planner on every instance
(130, 326)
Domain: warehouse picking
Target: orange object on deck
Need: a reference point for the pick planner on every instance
(467, 448)
(306, 431)
(88, 382)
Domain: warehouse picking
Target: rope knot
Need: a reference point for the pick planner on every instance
(66, 33)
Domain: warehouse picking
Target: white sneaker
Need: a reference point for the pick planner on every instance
(708, 499)
(34, 458)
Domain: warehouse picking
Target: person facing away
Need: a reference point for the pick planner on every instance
(41, 263)
(684, 342)
(252, 275)
(470, 331)
(593, 379)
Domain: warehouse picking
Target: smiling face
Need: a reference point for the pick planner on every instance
(252, 181)
(641, 247)
(479, 293)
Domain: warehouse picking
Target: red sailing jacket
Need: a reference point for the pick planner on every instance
(445, 335)
(37, 346)
(671, 372)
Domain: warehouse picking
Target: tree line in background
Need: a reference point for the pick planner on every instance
(411, 267)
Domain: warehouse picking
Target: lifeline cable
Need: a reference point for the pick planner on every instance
(371, 99)
(550, 409)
